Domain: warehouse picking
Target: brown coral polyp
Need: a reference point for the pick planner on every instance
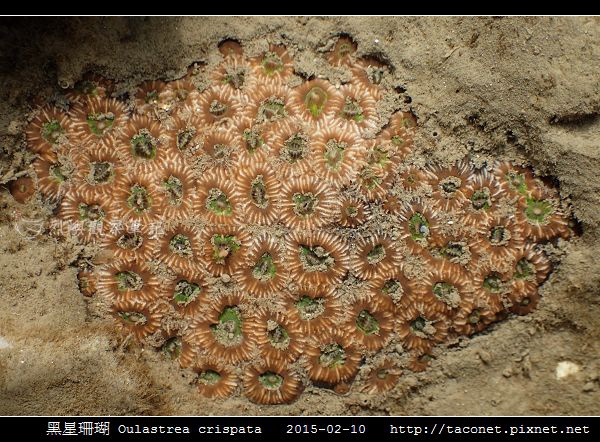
(263, 273)
(225, 331)
(270, 383)
(332, 358)
(317, 258)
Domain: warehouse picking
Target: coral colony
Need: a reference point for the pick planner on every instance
(272, 237)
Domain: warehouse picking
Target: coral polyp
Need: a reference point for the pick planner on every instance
(274, 230)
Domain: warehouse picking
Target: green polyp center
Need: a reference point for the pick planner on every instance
(352, 110)
(272, 63)
(397, 140)
(55, 171)
(258, 192)
(90, 212)
(264, 269)
(418, 226)
(409, 122)
(209, 377)
(367, 323)
(453, 250)
(304, 203)
(151, 97)
(139, 199)
(351, 211)
(382, 374)
(272, 109)
(278, 337)
(224, 246)
(481, 199)
(181, 94)
(493, 282)
(101, 172)
(315, 101)
(181, 245)
(418, 324)
(391, 286)
(270, 380)
(51, 131)
(185, 137)
(87, 87)
(525, 301)
(235, 77)
(516, 181)
(253, 139)
(332, 356)
(450, 185)
(444, 291)
(228, 331)
(185, 292)
(334, 154)
(144, 145)
(315, 258)
(310, 308)
(218, 203)
(295, 148)
(499, 235)
(174, 189)
(133, 318)
(217, 108)
(344, 49)
(376, 255)
(128, 280)
(537, 211)
(369, 178)
(524, 268)
(172, 348)
(130, 241)
(99, 123)
(379, 155)
(474, 317)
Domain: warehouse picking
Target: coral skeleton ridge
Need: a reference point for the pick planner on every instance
(275, 238)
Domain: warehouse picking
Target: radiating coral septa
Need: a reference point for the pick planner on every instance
(279, 336)
(543, 217)
(314, 308)
(179, 248)
(217, 199)
(214, 379)
(91, 86)
(317, 258)
(224, 249)
(271, 382)
(124, 281)
(332, 358)
(48, 130)
(96, 119)
(186, 291)
(307, 203)
(225, 331)
(263, 273)
(371, 322)
(274, 66)
(382, 377)
(140, 319)
(375, 255)
(259, 192)
(352, 212)
(343, 51)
